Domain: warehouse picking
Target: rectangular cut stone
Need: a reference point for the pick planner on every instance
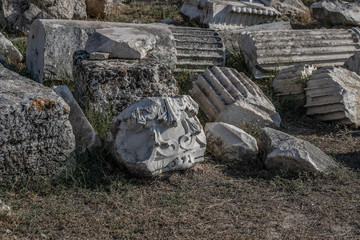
(269, 51)
(226, 95)
(48, 61)
(332, 94)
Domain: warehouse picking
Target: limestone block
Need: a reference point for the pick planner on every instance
(117, 83)
(36, 136)
(333, 94)
(284, 151)
(353, 63)
(125, 43)
(290, 8)
(85, 135)
(10, 10)
(268, 51)
(197, 49)
(336, 12)
(228, 142)
(8, 49)
(292, 80)
(64, 9)
(99, 8)
(157, 135)
(218, 14)
(228, 96)
(48, 61)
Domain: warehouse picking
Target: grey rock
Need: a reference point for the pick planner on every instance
(290, 8)
(85, 135)
(99, 56)
(36, 136)
(228, 142)
(25, 20)
(284, 151)
(125, 43)
(226, 95)
(117, 83)
(10, 10)
(48, 61)
(336, 12)
(268, 51)
(167, 21)
(8, 49)
(64, 9)
(353, 63)
(333, 94)
(157, 135)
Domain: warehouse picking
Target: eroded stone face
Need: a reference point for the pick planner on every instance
(36, 136)
(157, 135)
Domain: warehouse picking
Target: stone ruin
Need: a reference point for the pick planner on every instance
(157, 135)
(36, 136)
(180, 48)
(270, 51)
(226, 95)
(218, 14)
(332, 94)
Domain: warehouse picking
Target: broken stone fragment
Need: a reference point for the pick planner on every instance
(124, 43)
(289, 153)
(226, 95)
(157, 135)
(336, 12)
(85, 136)
(353, 63)
(290, 8)
(116, 83)
(268, 51)
(228, 142)
(36, 136)
(333, 94)
(99, 56)
(99, 8)
(8, 49)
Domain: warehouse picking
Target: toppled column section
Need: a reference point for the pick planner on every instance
(333, 94)
(292, 80)
(197, 49)
(157, 135)
(117, 83)
(36, 137)
(353, 63)
(226, 95)
(228, 14)
(269, 51)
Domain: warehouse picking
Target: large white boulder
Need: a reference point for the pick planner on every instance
(228, 142)
(284, 151)
(157, 135)
(36, 136)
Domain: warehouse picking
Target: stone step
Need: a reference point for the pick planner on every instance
(200, 45)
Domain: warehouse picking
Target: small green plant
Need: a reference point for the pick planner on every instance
(100, 120)
(182, 79)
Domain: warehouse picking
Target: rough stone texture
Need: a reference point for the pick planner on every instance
(333, 94)
(99, 8)
(19, 14)
(269, 51)
(353, 63)
(292, 80)
(118, 83)
(336, 12)
(8, 49)
(197, 49)
(157, 135)
(125, 43)
(5, 210)
(284, 151)
(85, 135)
(228, 142)
(226, 95)
(218, 14)
(36, 136)
(290, 8)
(48, 61)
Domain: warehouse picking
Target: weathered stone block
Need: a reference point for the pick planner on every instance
(284, 151)
(118, 83)
(85, 135)
(226, 95)
(157, 135)
(333, 94)
(269, 51)
(36, 136)
(228, 142)
(8, 49)
(353, 63)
